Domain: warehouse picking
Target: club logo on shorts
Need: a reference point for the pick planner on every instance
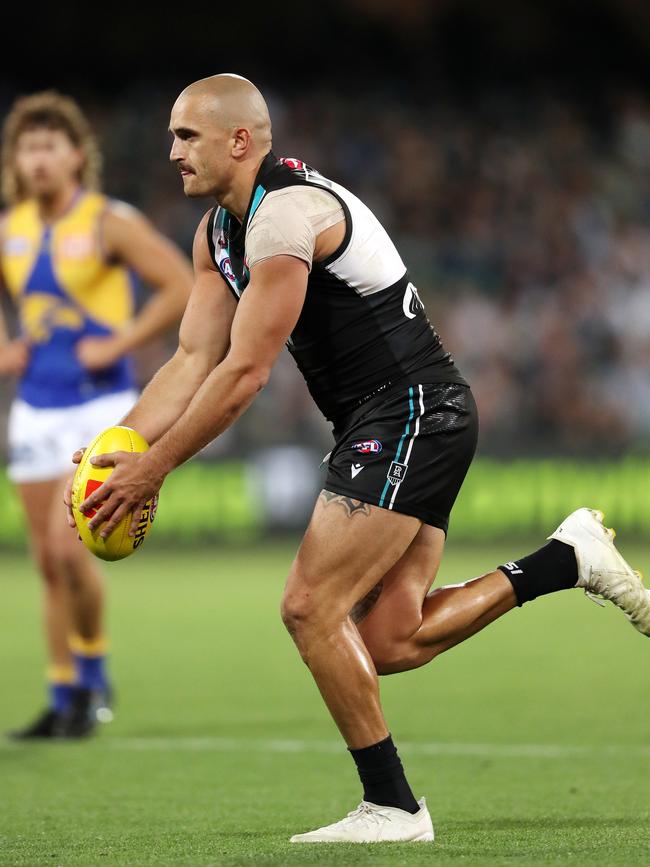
(367, 447)
(396, 473)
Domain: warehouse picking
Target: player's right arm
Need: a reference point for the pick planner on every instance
(204, 339)
(14, 354)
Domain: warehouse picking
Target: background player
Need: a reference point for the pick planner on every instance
(65, 254)
(308, 264)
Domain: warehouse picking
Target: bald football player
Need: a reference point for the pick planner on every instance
(288, 257)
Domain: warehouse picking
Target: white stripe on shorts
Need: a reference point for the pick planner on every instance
(416, 431)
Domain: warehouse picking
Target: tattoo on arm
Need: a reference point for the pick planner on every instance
(364, 606)
(352, 507)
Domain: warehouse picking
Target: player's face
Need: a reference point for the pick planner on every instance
(201, 150)
(46, 161)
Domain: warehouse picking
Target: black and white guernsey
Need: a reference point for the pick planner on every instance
(363, 326)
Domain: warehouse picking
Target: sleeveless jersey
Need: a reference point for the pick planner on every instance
(363, 326)
(64, 290)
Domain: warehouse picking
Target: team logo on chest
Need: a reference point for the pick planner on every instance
(17, 246)
(77, 246)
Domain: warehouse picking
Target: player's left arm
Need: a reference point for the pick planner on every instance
(266, 315)
(14, 354)
(129, 238)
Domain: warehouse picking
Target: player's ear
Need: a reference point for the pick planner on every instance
(241, 142)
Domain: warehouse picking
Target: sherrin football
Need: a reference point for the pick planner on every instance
(88, 478)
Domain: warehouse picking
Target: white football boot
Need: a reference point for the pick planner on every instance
(370, 823)
(601, 569)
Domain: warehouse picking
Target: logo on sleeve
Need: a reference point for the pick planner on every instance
(411, 303)
(367, 447)
(396, 473)
(292, 163)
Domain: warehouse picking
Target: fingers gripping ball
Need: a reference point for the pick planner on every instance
(88, 478)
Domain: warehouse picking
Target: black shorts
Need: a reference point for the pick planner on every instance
(409, 452)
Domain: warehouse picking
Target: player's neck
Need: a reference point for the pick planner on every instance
(54, 206)
(236, 199)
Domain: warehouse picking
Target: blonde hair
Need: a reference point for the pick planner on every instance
(51, 110)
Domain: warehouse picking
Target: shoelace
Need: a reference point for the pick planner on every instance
(614, 588)
(366, 813)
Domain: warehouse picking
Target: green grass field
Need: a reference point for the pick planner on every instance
(531, 741)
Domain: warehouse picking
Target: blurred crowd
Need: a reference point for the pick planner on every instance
(525, 224)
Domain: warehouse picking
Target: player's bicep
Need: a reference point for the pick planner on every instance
(268, 312)
(206, 324)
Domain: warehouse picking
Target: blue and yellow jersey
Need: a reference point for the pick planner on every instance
(64, 290)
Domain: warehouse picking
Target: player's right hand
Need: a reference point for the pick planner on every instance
(67, 493)
(14, 357)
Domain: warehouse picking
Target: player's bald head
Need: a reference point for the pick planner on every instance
(230, 102)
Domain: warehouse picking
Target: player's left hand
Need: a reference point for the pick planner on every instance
(133, 482)
(97, 353)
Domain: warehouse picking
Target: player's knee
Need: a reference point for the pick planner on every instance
(46, 559)
(64, 553)
(296, 612)
(302, 616)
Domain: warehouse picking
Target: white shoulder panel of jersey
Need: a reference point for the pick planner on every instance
(370, 263)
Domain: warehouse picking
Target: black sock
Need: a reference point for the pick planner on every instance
(552, 568)
(382, 776)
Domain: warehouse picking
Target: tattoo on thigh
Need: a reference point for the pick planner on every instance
(352, 507)
(364, 606)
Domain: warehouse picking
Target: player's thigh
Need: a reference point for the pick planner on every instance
(393, 612)
(61, 539)
(347, 548)
(37, 499)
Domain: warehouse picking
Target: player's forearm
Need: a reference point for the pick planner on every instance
(159, 314)
(223, 397)
(168, 395)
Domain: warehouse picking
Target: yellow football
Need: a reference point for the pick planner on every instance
(88, 478)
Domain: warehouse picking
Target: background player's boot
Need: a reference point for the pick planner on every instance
(79, 719)
(601, 569)
(44, 726)
(370, 823)
(102, 702)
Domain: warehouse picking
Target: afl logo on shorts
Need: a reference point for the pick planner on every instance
(411, 304)
(367, 447)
